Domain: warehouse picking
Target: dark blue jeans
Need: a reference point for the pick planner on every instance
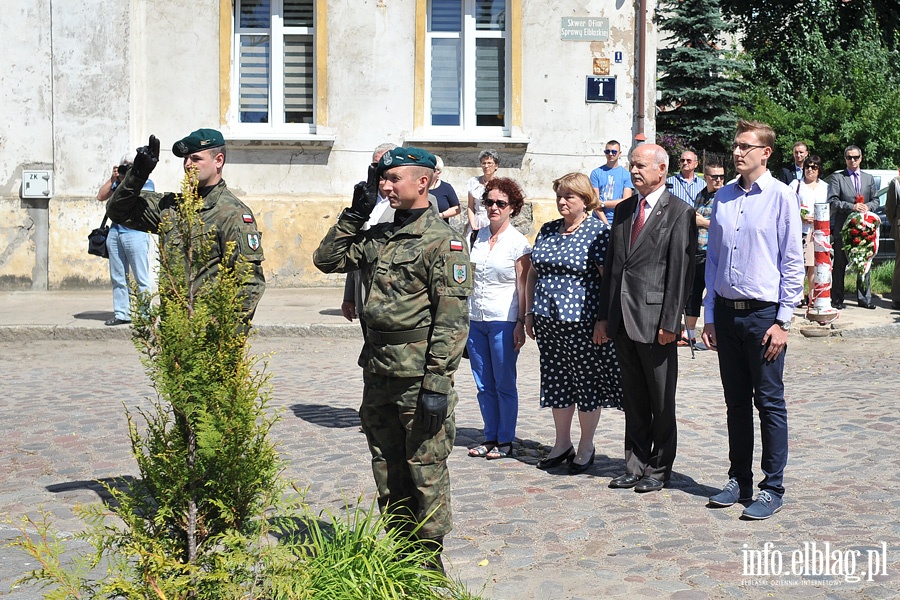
(749, 380)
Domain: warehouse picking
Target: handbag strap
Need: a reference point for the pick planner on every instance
(105, 217)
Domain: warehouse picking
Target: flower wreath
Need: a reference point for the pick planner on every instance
(860, 235)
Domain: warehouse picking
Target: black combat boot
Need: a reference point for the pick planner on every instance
(435, 545)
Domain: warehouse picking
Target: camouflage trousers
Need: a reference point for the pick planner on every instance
(410, 467)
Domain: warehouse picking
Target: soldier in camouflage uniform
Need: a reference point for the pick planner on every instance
(418, 276)
(223, 215)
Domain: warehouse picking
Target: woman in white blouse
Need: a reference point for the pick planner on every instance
(502, 257)
(811, 190)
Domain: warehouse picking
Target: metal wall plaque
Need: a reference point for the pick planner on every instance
(584, 29)
(600, 89)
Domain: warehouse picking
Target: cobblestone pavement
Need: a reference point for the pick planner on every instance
(519, 532)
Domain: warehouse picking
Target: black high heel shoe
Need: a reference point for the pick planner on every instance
(575, 468)
(549, 463)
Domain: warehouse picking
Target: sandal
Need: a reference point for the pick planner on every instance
(482, 450)
(500, 451)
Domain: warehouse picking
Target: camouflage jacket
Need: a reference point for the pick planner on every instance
(224, 217)
(418, 279)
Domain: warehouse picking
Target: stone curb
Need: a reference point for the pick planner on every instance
(881, 331)
(18, 333)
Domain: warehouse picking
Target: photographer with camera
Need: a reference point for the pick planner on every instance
(129, 249)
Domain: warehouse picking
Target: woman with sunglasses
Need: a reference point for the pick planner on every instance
(562, 302)
(502, 259)
(811, 190)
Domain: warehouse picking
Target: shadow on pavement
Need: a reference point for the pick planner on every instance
(327, 416)
(94, 315)
(98, 486)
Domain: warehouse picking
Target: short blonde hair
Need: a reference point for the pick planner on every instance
(763, 132)
(580, 185)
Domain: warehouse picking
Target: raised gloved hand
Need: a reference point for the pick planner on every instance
(365, 196)
(146, 159)
(431, 411)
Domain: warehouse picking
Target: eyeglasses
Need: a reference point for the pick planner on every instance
(610, 152)
(686, 160)
(811, 167)
(853, 156)
(745, 148)
(501, 204)
(722, 176)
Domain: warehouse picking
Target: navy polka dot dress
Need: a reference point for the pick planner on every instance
(566, 301)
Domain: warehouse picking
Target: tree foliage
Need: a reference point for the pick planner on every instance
(823, 72)
(209, 517)
(697, 77)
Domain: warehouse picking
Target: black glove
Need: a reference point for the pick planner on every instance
(431, 411)
(365, 196)
(146, 159)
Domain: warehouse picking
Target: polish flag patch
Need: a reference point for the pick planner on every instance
(456, 245)
(248, 218)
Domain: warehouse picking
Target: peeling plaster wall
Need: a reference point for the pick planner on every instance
(79, 90)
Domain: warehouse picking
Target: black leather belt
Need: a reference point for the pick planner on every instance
(387, 338)
(745, 304)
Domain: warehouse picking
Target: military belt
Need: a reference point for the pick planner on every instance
(386, 338)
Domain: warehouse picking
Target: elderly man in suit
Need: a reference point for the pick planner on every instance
(650, 267)
(850, 190)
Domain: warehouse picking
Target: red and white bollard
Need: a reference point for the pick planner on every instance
(820, 309)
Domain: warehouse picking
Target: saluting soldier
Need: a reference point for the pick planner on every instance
(222, 212)
(418, 276)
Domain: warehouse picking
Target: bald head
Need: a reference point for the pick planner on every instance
(649, 164)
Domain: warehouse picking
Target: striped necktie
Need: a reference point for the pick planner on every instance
(639, 221)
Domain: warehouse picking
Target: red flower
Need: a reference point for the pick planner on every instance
(856, 240)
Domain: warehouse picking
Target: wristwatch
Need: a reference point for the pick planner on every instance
(785, 326)
(603, 204)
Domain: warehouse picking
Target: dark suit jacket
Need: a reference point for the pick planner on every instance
(786, 174)
(842, 195)
(645, 287)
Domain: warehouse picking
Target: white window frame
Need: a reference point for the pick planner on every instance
(469, 35)
(276, 33)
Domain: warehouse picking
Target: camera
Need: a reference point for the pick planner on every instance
(122, 169)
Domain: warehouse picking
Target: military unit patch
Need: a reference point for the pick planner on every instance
(456, 245)
(253, 241)
(460, 272)
(248, 218)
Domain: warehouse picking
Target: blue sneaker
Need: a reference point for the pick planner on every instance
(731, 493)
(766, 505)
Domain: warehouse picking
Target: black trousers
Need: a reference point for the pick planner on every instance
(649, 374)
(863, 283)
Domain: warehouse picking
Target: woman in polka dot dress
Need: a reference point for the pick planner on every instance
(562, 298)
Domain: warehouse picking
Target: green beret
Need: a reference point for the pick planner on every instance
(404, 157)
(202, 139)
